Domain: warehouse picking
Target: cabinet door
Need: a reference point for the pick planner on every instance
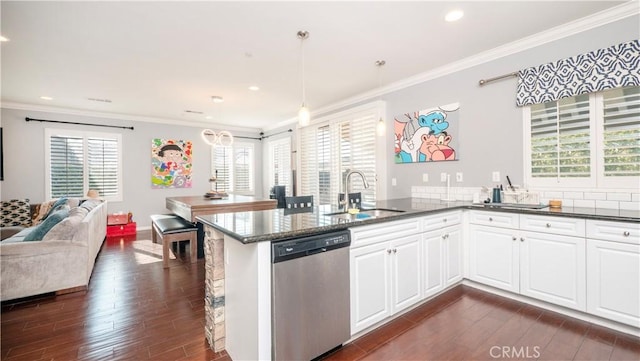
(432, 263)
(370, 285)
(405, 272)
(613, 281)
(552, 268)
(452, 244)
(493, 257)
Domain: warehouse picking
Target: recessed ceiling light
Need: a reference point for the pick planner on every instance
(454, 15)
(254, 88)
(217, 99)
(2, 38)
(44, 97)
(208, 117)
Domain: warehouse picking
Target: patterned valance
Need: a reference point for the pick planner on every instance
(612, 67)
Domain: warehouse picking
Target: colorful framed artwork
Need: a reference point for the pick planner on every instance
(428, 135)
(171, 163)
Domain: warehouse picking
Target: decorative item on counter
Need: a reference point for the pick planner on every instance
(497, 195)
(93, 194)
(214, 193)
(555, 203)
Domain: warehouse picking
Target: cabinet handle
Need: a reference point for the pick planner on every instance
(395, 250)
(388, 251)
(514, 238)
(490, 219)
(444, 219)
(626, 233)
(548, 225)
(521, 239)
(444, 236)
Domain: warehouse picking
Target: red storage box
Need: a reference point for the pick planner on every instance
(128, 229)
(116, 219)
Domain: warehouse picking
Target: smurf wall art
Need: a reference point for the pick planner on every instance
(171, 163)
(428, 135)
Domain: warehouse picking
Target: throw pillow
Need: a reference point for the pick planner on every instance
(16, 212)
(41, 230)
(56, 206)
(68, 227)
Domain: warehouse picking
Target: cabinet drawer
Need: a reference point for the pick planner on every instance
(375, 233)
(556, 225)
(624, 232)
(495, 219)
(440, 220)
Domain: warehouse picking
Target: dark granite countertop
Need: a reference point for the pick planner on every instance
(280, 224)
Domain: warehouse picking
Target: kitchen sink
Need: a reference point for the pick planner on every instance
(365, 214)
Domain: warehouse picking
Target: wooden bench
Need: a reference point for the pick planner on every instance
(169, 228)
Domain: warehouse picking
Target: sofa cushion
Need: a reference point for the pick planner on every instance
(18, 237)
(68, 226)
(57, 205)
(16, 212)
(41, 230)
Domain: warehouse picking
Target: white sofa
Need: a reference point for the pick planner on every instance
(62, 261)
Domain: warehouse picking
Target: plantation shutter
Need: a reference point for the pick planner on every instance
(621, 133)
(221, 166)
(332, 149)
(67, 166)
(103, 165)
(560, 138)
(242, 177)
(280, 161)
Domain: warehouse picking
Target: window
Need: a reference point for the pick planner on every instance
(332, 148)
(589, 141)
(79, 161)
(234, 168)
(280, 163)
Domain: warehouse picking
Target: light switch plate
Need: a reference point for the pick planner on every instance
(459, 177)
(425, 177)
(443, 177)
(394, 182)
(495, 176)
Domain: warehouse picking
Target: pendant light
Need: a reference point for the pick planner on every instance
(304, 117)
(380, 126)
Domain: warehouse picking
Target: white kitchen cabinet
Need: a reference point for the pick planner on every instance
(442, 252)
(385, 279)
(552, 268)
(613, 271)
(494, 257)
(453, 255)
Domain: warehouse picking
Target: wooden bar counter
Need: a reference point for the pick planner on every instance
(189, 207)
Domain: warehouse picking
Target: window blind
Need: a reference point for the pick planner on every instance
(103, 165)
(621, 132)
(233, 166)
(242, 171)
(66, 166)
(221, 166)
(560, 138)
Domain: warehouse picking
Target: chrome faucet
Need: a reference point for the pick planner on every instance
(347, 185)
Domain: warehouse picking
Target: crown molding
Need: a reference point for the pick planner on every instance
(604, 17)
(125, 117)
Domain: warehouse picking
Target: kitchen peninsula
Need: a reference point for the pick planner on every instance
(238, 245)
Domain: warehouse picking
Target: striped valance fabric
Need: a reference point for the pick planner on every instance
(612, 67)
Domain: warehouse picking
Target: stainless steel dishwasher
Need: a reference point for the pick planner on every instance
(310, 295)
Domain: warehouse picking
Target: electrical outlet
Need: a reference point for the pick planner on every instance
(459, 177)
(443, 177)
(394, 182)
(425, 177)
(495, 176)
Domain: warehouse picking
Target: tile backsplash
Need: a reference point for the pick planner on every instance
(590, 199)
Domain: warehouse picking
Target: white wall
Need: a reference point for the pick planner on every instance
(24, 162)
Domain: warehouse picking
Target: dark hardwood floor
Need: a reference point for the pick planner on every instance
(136, 310)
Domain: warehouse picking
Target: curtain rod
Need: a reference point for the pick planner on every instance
(262, 136)
(76, 123)
(485, 81)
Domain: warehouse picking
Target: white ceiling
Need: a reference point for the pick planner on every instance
(158, 59)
